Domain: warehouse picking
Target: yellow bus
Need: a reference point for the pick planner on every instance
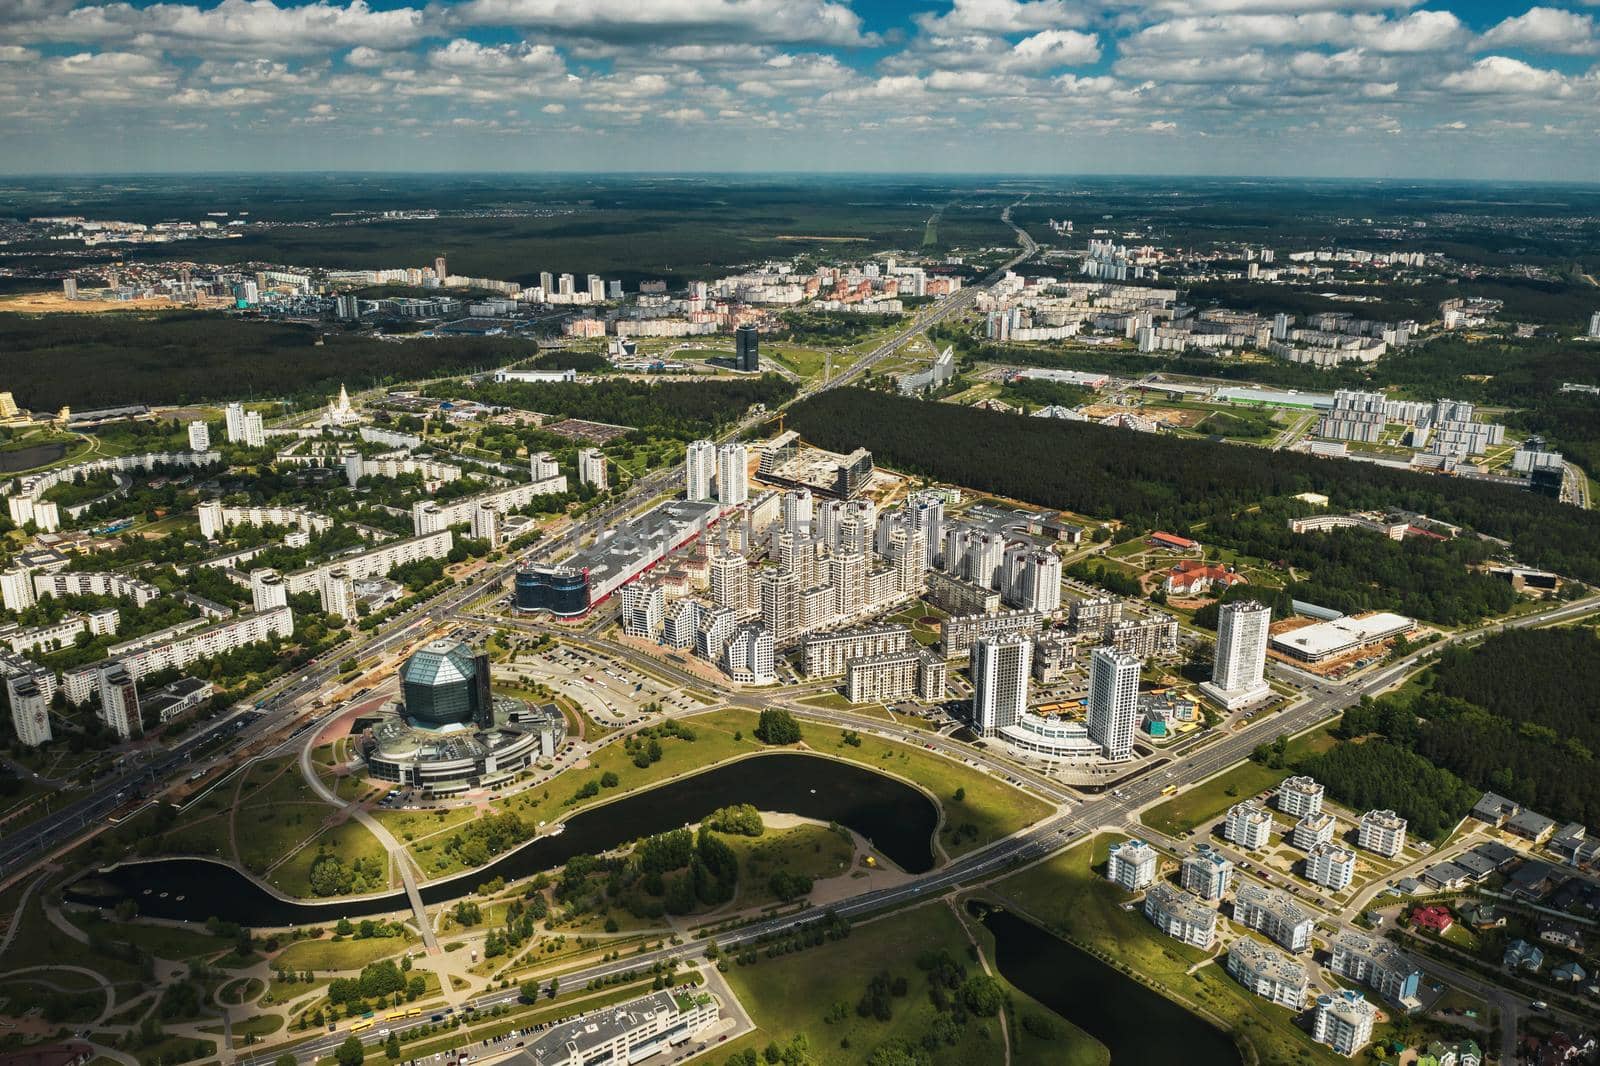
(413, 1012)
(359, 1026)
(392, 1015)
(1169, 790)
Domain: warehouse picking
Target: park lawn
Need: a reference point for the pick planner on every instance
(39, 943)
(1069, 895)
(163, 941)
(241, 990)
(791, 995)
(805, 361)
(348, 840)
(203, 835)
(1211, 798)
(418, 825)
(258, 1026)
(812, 851)
(266, 833)
(329, 954)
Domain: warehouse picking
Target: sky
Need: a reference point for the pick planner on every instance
(1334, 88)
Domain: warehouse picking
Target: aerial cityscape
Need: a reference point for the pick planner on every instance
(1001, 532)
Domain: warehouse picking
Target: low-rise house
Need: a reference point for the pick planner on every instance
(1561, 934)
(1433, 919)
(1531, 825)
(1494, 809)
(1521, 955)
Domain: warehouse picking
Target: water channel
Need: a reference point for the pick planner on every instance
(1136, 1024)
(896, 818)
(32, 456)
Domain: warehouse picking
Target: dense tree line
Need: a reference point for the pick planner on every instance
(88, 361)
(837, 327)
(483, 838)
(682, 409)
(1501, 716)
(1155, 481)
(1381, 774)
(1513, 715)
(1361, 570)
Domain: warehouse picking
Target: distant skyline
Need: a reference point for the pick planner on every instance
(1301, 88)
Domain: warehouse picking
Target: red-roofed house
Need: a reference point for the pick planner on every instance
(1438, 919)
(1194, 578)
(1173, 541)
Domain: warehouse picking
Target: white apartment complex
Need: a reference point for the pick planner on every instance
(1131, 865)
(1248, 825)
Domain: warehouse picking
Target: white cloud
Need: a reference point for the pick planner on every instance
(1546, 29)
(252, 26)
(1006, 16)
(822, 21)
(464, 55)
(1502, 75)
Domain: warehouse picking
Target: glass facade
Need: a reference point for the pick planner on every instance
(561, 591)
(439, 685)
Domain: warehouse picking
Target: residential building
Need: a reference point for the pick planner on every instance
(958, 634)
(918, 675)
(1248, 825)
(1238, 677)
(338, 593)
(1331, 866)
(1343, 1021)
(267, 589)
(1181, 915)
(199, 436)
(1382, 832)
(119, 701)
(255, 432)
(749, 657)
(16, 589)
(829, 654)
(177, 647)
(592, 468)
(644, 617)
(1146, 638)
(733, 485)
(233, 422)
(1131, 865)
(1113, 717)
(1439, 1053)
(683, 621)
(1094, 615)
(1378, 964)
(1268, 973)
(730, 581)
(699, 470)
(1300, 796)
(1001, 667)
(1274, 914)
(30, 709)
(1206, 872)
(1314, 830)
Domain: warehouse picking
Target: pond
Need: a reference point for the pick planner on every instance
(896, 818)
(1136, 1024)
(34, 455)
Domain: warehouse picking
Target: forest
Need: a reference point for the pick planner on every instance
(1354, 570)
(90, 361)
(681, 409)
(1152, 481)
(1506, 715)
(1382, 775)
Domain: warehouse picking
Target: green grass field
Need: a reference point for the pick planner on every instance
(812, 851)
(1209, 799)
(329, 954)
(792, 995)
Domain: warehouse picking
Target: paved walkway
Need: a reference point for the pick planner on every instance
(397, 852)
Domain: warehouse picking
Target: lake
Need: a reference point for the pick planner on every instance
(898, 820)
